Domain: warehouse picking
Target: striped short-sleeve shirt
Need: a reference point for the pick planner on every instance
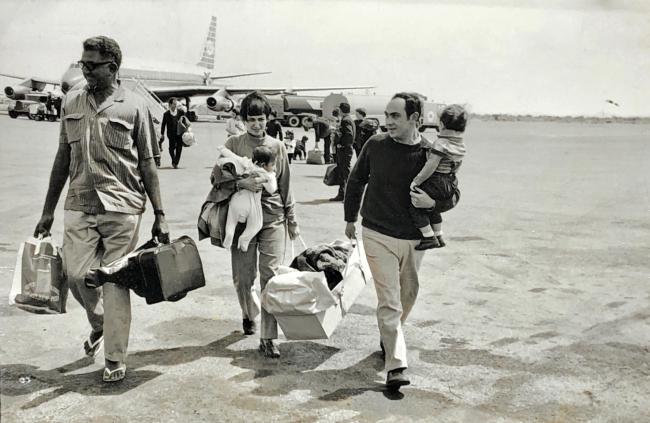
(106, 145)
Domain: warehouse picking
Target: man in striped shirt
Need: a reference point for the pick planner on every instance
(106, 148)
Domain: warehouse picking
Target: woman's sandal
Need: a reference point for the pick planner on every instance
(114, 375)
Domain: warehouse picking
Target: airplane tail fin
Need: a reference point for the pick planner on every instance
(207, 58)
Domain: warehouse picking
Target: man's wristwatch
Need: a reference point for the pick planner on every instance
(158, 213)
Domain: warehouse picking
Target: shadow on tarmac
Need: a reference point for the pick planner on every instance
(314, 202)
(293, 371)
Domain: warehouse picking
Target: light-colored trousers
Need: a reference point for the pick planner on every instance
(269, 241)
(394, 264)
(96, 240)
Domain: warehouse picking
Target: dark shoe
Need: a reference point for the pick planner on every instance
(337, 198)
(249, 326)
(396, 379)
(175, 166)
(427, 243)
(93, 343)
(269, 349)
(441, 241)
(383, 350)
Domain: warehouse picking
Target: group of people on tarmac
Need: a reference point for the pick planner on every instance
(106, 152)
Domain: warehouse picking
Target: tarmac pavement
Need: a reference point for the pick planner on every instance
(537, 310)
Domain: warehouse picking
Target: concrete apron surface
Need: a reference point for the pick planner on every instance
(537, 310)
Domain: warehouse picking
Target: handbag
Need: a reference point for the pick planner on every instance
(331, 176)
(183, 125)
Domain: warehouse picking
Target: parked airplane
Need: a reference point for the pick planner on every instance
(175, 80)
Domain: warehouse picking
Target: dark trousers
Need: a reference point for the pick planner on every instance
(175, 149)
(327, 154)
(290, 156)
(357, 149)
(343, 159)
(441, 187)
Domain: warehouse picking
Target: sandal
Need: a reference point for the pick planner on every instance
(114, 375)
(92, 348)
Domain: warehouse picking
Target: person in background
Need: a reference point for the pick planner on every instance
(301, 148)
(290, 145)
(322, 130)
(234, 125)
(331, 139)
(171, 119)
(345, 139)
(273, 126)
(360, 114)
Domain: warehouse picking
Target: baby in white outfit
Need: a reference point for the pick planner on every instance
(246, 206)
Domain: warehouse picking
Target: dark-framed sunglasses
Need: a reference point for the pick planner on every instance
(91, 66)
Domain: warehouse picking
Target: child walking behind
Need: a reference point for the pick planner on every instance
(245, 205)
(438, 176)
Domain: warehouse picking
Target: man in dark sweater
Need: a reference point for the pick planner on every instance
(387, 165)
(344, 149)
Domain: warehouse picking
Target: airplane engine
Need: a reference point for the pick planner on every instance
(218, 102)
(17, 92)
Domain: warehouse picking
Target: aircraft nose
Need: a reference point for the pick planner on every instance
(70, 78)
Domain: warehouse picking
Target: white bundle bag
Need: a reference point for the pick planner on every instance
(293, 292)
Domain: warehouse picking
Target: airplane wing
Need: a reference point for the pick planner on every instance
(238, 75)
(191, 90)
(33, 78)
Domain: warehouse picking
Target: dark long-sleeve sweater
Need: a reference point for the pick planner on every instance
(347, 131)
(171, 123)
(387, 167)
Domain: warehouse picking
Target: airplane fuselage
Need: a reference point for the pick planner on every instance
(73, 76)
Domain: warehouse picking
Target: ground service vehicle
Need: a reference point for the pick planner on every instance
(375, 106)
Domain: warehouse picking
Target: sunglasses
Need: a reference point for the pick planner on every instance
(91, 66)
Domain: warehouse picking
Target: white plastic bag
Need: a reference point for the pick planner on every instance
(188, 138)
(297, 292)
(39, 284)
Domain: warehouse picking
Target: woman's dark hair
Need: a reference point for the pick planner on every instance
(171, 100)
(263, 155)
(255, 104)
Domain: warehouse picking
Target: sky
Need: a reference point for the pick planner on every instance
(555, 57)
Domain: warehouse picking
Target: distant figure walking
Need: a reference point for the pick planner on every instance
(175, 124)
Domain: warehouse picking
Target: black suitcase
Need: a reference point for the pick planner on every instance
(157, 272)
